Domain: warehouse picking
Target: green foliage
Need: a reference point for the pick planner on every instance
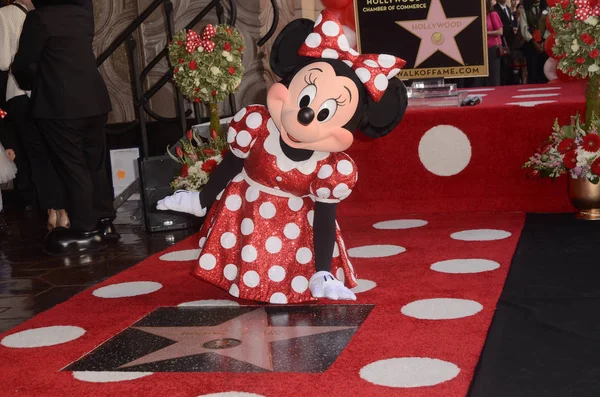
(204, 76)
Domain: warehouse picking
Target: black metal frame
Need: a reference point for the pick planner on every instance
(141, 98)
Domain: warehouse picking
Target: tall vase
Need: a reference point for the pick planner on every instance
(585, 196)
(592, 99)
(215, 121)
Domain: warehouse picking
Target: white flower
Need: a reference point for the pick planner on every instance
(196, 82)
(575, 47)
(223, 87)
(225, 54)
(204, 91)
(592, 21)
(593, 68)
(200, 49)
(230, 58)
(574, 41)
(215, 70)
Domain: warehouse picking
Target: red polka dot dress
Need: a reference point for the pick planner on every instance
(257, 240)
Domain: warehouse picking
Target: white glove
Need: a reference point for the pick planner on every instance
(324, 285)
(183, 201)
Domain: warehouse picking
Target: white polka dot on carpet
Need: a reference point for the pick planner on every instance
(445, 150)
(44, 336)
(480, 235)
(407, 372)
(124, 290)
(458, 266)
(209, 302)
(400, 224)
(108, 376)
(375, 251)
(441, 309)
(181, 256)
(364, 286)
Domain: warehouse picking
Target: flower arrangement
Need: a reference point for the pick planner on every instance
(208, 68)
(198, 160)
(577, 33)
(2, 114)
(571, 149)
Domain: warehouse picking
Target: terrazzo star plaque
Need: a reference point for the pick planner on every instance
(230, 339)
(437, 38)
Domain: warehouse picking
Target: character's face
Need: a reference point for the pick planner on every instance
(311, 113)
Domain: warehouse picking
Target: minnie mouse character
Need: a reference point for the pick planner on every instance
(271, 233)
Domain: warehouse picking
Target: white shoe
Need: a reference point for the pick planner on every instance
(325, 285)
(183, 201)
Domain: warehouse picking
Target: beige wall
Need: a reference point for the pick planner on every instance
(308, 8)
(254, 20)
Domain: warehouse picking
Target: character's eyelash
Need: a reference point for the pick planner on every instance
(337, 100)
(309, 80)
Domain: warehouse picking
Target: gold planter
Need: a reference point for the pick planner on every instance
(585, 196)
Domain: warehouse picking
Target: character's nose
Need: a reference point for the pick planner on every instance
(306, 116)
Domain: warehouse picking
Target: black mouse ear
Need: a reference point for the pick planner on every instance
(284, 53)
(380, 118)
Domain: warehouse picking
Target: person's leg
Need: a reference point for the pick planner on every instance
(94, 148)
(23, 182)
(66, 141)
(494, 59)
(48, 186)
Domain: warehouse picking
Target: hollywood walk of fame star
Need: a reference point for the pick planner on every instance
(252, 329)
(437, 33)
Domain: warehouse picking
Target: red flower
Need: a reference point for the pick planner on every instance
(224, 152)
(591, 142)
(570, 70)
(566, 145)
(587, 39)
(533, 173)
(176, 70)
(214, 93)
(241, 49)
(196, 89)
(180, 42)
(567, 16)
(594, 53)
(570, 159)
(189, 135)
(565, 4)
(209, 152)
(580, 60)
(179, 151)
(193, 65)
(213, 133)
(596, 166)
(227, 47)
(231, 70)
(197, 100)
(209, 165)
(184, 171)
(181, 61)
(229, 30)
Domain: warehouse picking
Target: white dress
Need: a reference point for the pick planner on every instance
(8, 169)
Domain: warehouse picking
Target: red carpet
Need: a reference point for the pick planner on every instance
(398, 351)
(467, 159)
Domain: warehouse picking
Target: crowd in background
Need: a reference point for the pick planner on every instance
(516, 32)
(57, 105)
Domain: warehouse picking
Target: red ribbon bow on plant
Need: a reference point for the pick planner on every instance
(2, 114)
(328, 41)
(207, 35)
(192, 41)
(586, 9)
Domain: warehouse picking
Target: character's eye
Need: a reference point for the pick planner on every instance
(327, 110)
(307, 95)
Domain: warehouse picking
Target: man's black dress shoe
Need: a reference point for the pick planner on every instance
(107, 230)
(61, 241)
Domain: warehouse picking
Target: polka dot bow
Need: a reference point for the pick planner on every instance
(586, 9)
(328, 41)
(2, 114)
(193, 40)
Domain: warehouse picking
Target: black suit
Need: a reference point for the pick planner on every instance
(70, 102)
(506, 75)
